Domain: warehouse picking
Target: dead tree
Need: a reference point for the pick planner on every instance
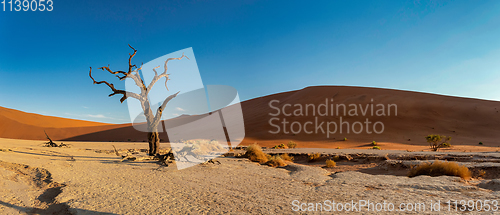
(51, 143)
(152, 120)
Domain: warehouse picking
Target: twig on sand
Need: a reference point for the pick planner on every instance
(211, 161)
(165, 159)
(116, 151)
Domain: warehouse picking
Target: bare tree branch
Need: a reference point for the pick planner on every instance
(130, 66)
(159, 112)
(164, 74)
(115, 91)
(165, 67)
(154, 69)
(137, 79)
(166, 79)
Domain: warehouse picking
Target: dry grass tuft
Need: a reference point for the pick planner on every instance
(286, 157)
(276, 161)
(330, 163)
(314, 157)
(255, 154)
(439, 168)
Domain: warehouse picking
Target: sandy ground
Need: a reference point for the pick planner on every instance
(84, 180)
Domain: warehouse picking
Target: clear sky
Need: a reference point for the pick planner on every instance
(258, 47)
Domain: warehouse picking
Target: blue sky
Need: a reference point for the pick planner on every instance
(258, 47)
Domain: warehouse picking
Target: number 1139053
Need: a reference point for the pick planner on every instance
(27, 5)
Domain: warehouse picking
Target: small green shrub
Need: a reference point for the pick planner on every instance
(439, 168)
(314, 157)
(292, 145)
(330, 163)
(437, 141)
(280, 146)
(376, 147)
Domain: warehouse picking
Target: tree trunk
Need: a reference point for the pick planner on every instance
(154, 143)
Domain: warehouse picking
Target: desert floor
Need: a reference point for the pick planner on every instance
(421, 146)
(86, 179)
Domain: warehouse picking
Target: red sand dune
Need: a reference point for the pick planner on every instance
(21, 125)
(468, 121)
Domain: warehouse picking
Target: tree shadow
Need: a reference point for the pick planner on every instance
(103, 160)
(71, 157)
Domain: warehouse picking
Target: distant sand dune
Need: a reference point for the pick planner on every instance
(21, 125)
(468, 121)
